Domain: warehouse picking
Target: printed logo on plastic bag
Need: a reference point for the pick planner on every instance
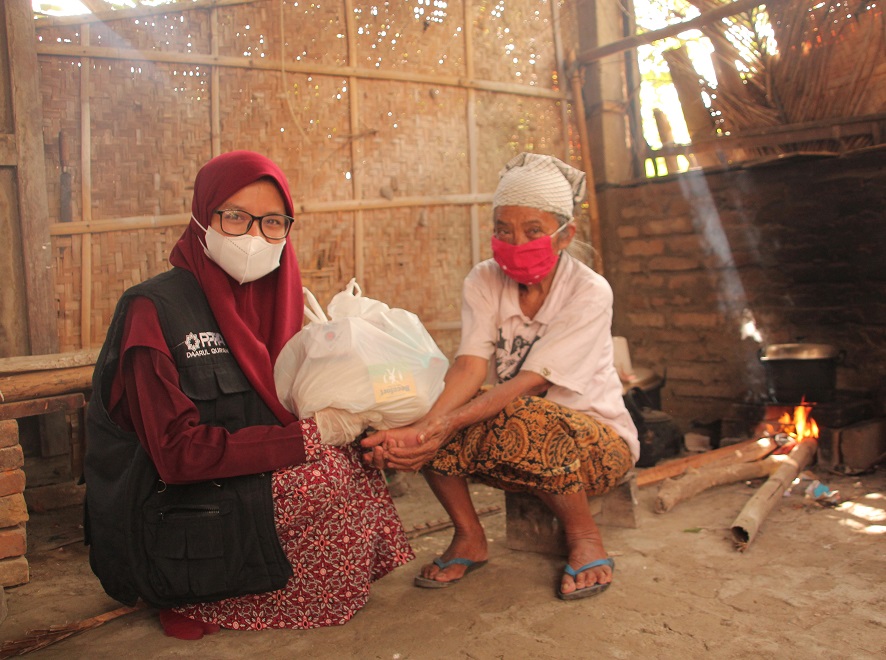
(363, 357)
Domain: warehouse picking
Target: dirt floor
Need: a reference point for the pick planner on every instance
(811, 585)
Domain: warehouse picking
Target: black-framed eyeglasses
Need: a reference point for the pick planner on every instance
(236, 223)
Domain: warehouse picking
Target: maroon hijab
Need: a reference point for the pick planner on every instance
(256, 318)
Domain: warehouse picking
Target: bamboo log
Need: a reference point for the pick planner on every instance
(673, 491)
(748, 522)
(742, 452)
(36, 384)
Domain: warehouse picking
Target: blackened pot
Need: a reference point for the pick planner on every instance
(801, 372)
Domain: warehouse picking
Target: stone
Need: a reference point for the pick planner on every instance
(14, 571)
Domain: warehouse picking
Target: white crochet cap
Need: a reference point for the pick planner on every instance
(540, 182)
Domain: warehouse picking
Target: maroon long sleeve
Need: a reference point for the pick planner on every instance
(146, 398)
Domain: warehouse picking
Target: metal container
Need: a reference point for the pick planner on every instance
(801, 372)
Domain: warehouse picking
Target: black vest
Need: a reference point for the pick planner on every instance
(178, 544)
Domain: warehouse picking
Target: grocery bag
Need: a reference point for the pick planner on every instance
(364, 356)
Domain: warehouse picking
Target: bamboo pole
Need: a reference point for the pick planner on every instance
(562, 69)
(356, 169)
(179, 219)
(748, 522)
(594, 54)
(214, 89)
(473, 138)
(85, 132)
(272, 64)
(85, 291)
(593, 208)
(749, 450)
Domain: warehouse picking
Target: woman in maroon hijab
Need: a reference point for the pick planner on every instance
(184, 393)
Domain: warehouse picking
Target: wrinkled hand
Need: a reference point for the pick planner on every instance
(408, 448)
(340, 427)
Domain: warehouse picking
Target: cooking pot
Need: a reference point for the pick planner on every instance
(801, 372)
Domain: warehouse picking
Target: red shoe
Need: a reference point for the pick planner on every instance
(181, 627)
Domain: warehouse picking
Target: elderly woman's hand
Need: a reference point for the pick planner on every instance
(408, 448)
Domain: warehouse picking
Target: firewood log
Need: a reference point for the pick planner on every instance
(673, 491)
(746, 526)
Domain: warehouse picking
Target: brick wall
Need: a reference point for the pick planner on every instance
(799, 245)
(13, 510)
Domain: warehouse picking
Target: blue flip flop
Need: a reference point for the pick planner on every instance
(594, 589)
(431, 583)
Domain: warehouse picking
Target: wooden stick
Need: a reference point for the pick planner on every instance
(444, 523)
(745, 527)
(673, 491)
(742, 452)
(38, 639)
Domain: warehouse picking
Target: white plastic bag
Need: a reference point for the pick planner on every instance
(364, 357)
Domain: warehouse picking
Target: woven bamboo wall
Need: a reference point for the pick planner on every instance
(391, 127)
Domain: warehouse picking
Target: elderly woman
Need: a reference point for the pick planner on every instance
(554, 423)
(205, 497)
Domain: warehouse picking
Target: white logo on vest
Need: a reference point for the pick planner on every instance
(200, 344)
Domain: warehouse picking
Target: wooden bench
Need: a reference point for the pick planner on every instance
(74, 408)
(531, 527)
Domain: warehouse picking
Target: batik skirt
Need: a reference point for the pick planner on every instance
(338, 526)
(537, 445)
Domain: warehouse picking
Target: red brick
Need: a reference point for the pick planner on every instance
(13, 541)
(642, 248)
(647, 319)
(11, 482)
(8, 432)
(11, 458)
(673, 263)
(677, 225)
(696, 320)
(13, 510)
(14, 571)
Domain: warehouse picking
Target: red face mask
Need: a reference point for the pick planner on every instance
(527, 263)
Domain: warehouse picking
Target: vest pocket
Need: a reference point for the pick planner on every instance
(193, 540)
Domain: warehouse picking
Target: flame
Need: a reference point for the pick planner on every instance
(801, 426)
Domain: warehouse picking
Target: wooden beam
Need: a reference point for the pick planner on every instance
(8, 154)
(594, 54)
(33, 207)
(26, 363)
(825, 129)
(585, 147)
(107, 14)
(35, 384)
